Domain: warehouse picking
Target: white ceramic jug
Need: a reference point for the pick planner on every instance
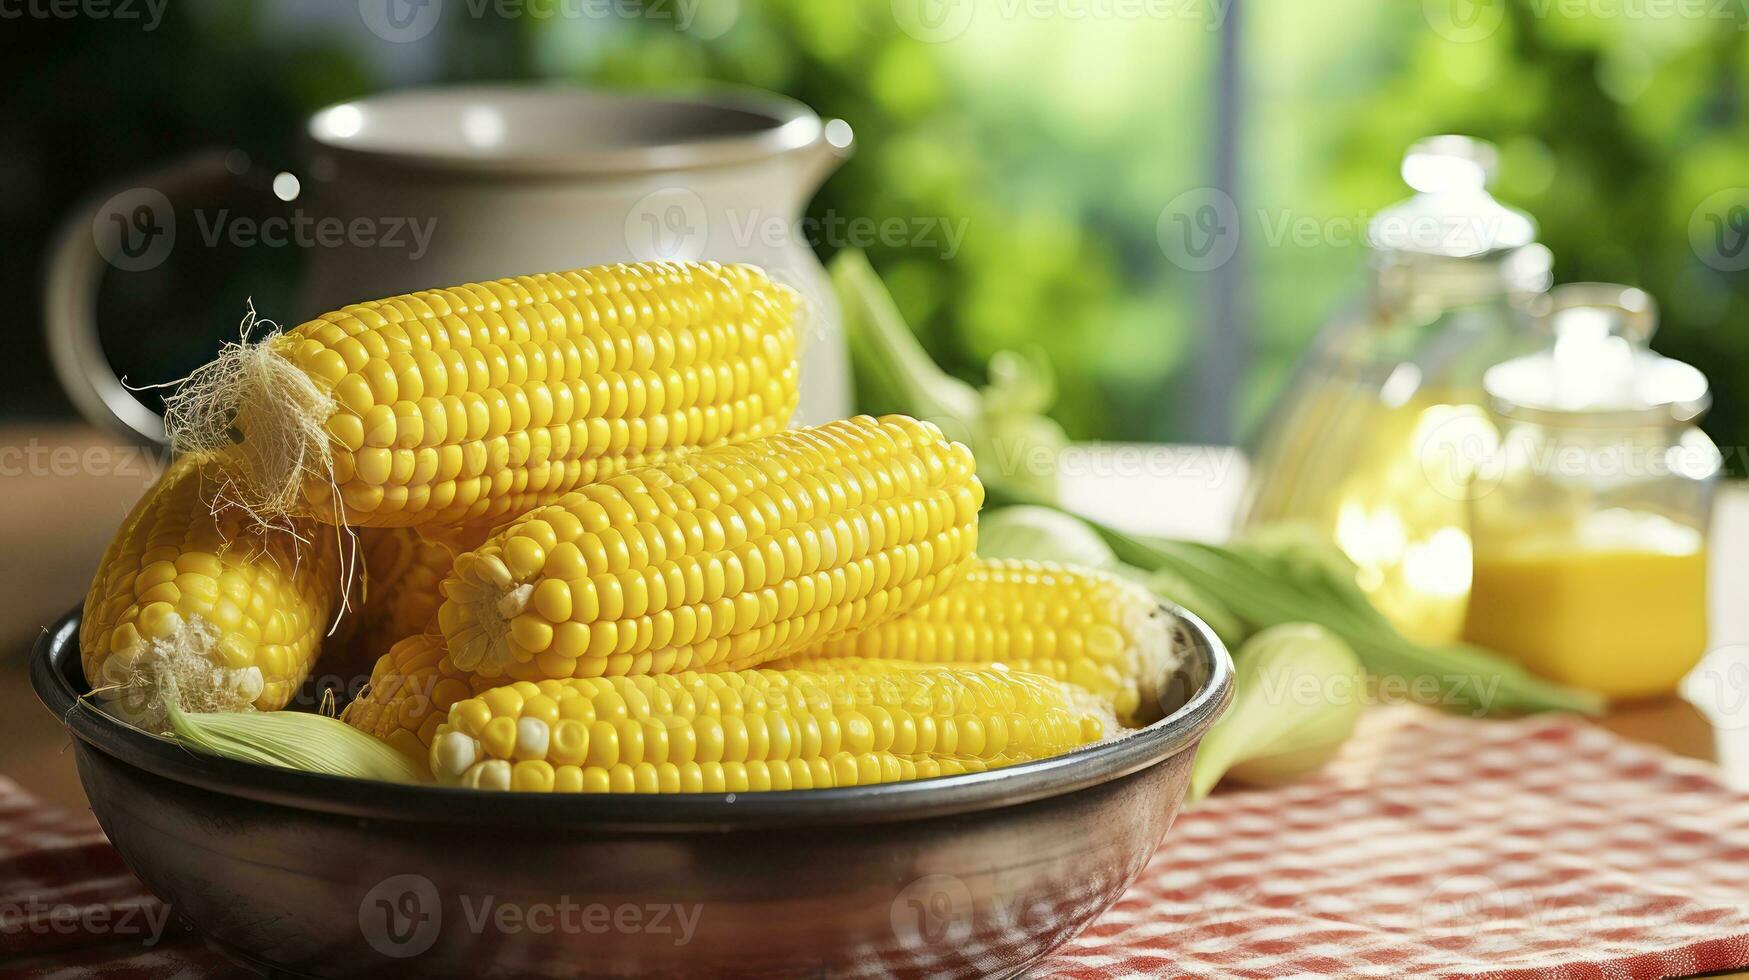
(434, 187)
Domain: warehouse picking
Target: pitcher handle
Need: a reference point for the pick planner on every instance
(99, 235)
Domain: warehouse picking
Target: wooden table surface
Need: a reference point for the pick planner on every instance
(66, 487)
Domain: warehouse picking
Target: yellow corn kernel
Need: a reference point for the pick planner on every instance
(454, 406)
(411, 691)
(194, 594)
(756, 730)
(1098, 631)
(724, 559)
(402, 571)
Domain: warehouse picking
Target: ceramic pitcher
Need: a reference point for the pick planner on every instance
(434, 187)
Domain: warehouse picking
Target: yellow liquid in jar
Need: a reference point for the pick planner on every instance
(1618, 607)
(1381, 480)
(1401, 515)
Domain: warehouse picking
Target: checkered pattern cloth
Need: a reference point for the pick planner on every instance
(1445, 847)
(1434, 847)
(69, 907)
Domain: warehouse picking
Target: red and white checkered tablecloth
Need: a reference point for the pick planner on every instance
(1445, 847)
(1435, 847)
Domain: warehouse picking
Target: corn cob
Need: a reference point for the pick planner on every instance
(227, 611)
(757, 730)
(722, 560)
(402, 571)
(411, 690)
(1100, 632)
(453, 406)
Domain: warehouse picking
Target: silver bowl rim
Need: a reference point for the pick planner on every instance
(1207, 666)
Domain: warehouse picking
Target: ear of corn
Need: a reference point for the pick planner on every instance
(756, 730)
(1098, 631)
(583, 527)
(213, 609)
(459, 405)
(722, 560)
(402, 571)
(411, 690)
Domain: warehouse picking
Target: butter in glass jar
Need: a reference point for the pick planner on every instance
(1589, 516)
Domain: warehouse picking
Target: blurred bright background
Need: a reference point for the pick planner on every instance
(1034, 149)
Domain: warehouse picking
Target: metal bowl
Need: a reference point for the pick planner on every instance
(979, 875)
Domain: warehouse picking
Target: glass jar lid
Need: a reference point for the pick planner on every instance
(1598, 370)
(1452, 215)
(1453, 243)
(1579, 310)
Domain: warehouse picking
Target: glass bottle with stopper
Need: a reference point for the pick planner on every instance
(1590, 515)
(1367, 441)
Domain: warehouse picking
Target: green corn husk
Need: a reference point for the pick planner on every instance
(1292, 578)
(291, 740)
(1300, 692)
(1004, 422)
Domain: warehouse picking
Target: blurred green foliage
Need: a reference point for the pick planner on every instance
(1059, 140)
(1053, 140)
(1621, 128)
(1052, 153)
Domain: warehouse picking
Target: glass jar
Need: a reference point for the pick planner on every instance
(1589, 517)
(1349, 445)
